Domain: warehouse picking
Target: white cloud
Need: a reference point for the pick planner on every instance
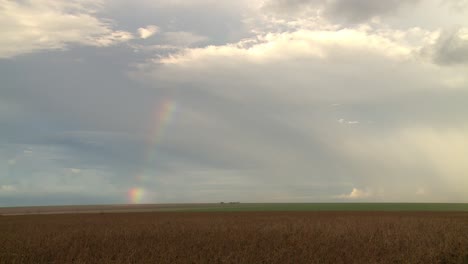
(186, 4)
(421, 191)
(148, 31)
(7, 188)
(112, 38)
(319, 65)
(421, 153)
(457, 5)
(285, 80)
(280, 46)
(343, 121)
(356, 194)
(353, 122)
(75, 170)
(30, 26)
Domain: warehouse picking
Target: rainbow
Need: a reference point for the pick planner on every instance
(136, 195)
(162, 116)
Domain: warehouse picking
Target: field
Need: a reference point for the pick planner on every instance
(240, 207)
(236, 237)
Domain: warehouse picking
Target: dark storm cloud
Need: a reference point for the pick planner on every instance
(352, 11)
(362, 10)
(452, 47)
(291, 5)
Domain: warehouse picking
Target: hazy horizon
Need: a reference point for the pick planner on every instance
(177, 101)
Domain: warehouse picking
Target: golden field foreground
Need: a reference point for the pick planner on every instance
(236, 237)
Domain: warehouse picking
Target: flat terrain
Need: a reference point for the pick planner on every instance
(236, 237)
(238, 207)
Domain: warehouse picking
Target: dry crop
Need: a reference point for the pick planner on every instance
(243, 237)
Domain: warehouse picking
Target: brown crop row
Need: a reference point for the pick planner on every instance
(247, 237)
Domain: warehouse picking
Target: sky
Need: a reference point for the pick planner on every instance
(173, 101)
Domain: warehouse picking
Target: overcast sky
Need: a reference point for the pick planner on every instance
(145, 101)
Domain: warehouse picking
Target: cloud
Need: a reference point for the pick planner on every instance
(183, 38)
(451, 48)
(362, 10)
(46, 173)
(31, 26)
(351, 11)
(356, 194)
(258, 99)
(318, 44)
(283, 85)
(343, 121)
(75, 170)
(181, 3)
(291, 6)
(424, 154)
(7, 188)
(421, 191)
(303, 58)
(148, 31)
(189, 4)
(457, 5)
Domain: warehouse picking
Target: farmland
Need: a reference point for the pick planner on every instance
(236, 236)
(240, 207)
